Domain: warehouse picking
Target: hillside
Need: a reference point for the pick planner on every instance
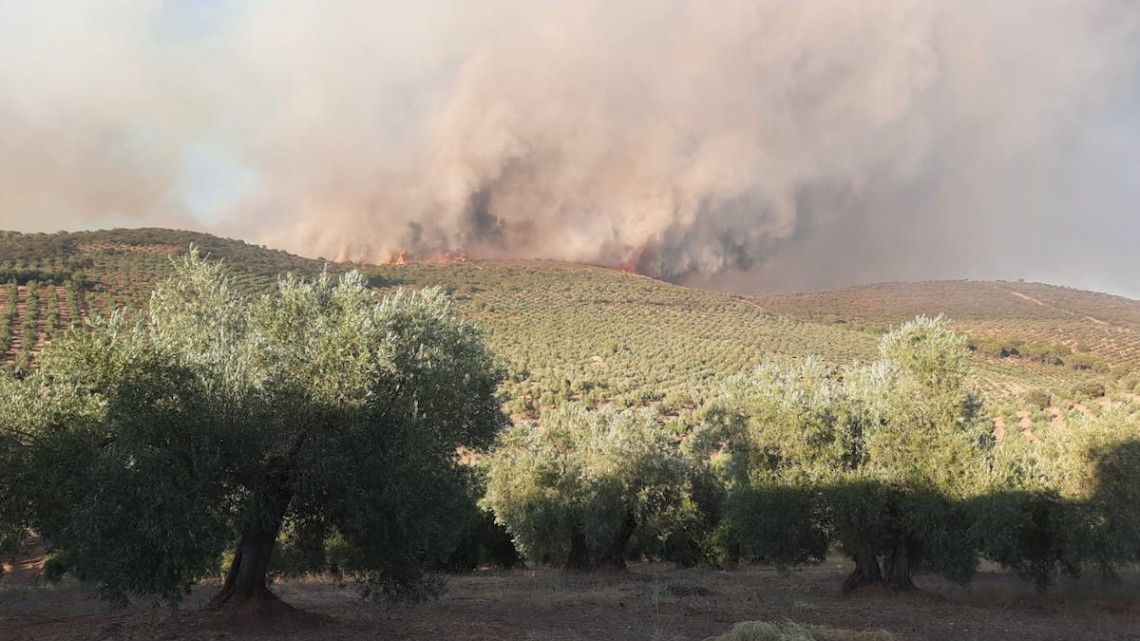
(602, 336)
(1034, 335)
(1101, 324)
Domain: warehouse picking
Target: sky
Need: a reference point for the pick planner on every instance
(744, 145)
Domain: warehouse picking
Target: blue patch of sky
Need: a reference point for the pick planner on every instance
(212, 181)
(193, 19)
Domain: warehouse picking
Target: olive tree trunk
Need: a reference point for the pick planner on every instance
(246, 577)
(866, 570)
(613, 558)
(897, 565)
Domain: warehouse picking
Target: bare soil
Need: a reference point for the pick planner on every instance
(651, 601)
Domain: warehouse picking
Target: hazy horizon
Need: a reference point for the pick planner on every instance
(744, 146)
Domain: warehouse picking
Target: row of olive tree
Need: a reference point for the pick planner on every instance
(146, 449)
(894, 464)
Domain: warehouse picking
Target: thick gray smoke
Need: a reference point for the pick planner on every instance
(785, 144)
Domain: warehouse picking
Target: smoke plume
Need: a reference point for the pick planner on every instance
(740, 143)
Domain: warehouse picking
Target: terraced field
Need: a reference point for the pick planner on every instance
(577, 332)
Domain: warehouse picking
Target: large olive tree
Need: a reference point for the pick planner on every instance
(928, 444)
(214, 421)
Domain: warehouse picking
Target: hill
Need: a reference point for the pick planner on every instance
(1101, 324)
(1028, 334)
(575, 332)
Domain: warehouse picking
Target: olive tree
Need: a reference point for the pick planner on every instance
(776, 440)
(216, 421)
(1065, 503)
(577, 486)
(873, 458)
(928, 443)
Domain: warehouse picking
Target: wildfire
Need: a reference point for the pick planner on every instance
(449, 257)
(401, 257)
(633, 263)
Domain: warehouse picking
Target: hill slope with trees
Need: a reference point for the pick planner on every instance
(575, 332)
(1093, 323)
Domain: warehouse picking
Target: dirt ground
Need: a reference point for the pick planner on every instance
(650, 602)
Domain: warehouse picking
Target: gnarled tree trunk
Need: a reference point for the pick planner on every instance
(866, 570)
(613, 558)
(897, 565)
(246, 577)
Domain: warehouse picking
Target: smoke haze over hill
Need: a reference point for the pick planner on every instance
(741, 144)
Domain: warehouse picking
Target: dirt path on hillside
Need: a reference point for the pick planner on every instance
(752, 304)
(1027, 297)
(1070, 312)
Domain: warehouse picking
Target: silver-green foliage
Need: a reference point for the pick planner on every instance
(147, 447)
(871, 457)
(1066, 501)
(601, 475)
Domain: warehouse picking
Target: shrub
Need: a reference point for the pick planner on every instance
(1089, 389)
(1085, 362)
(990, 347)
(1040, 353)
(1038, 399)
(56, 566)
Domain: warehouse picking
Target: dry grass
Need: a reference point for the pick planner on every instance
(791, 631)
(651, 602)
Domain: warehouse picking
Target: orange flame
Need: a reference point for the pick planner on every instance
(400, 257)
(451, 257)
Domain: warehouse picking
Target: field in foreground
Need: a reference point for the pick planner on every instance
(652, 602)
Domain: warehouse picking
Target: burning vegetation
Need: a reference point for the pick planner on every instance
(403, 257)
